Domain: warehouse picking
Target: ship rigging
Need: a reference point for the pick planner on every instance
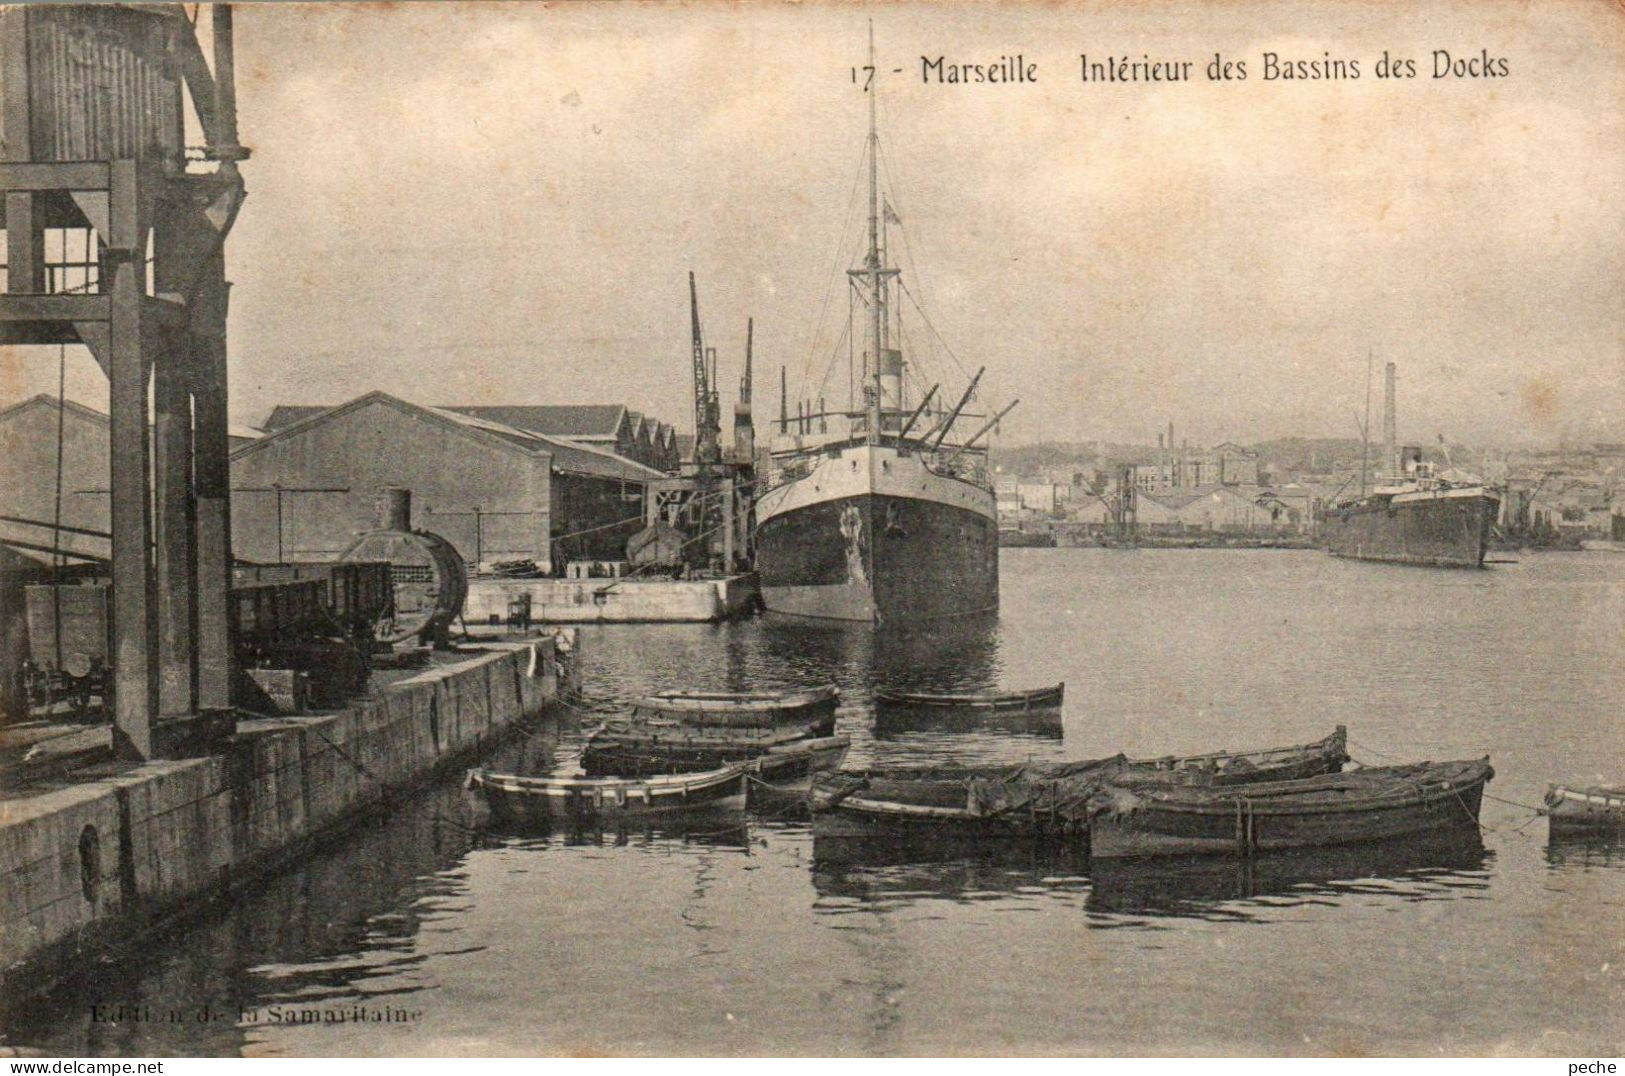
(886, 520)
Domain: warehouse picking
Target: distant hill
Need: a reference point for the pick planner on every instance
(1025, 459)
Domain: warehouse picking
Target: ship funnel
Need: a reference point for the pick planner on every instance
(891, 378)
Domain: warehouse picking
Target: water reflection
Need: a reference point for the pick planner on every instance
(1448, 865)
(891, 872)
(1582, 850)
(720, 827)
(961, 654)
(343, 919)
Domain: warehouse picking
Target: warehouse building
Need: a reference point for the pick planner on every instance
(497, 492)
(28, 445)
(29, 433)
(610, 427)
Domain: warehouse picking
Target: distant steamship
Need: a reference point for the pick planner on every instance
(1413, 515)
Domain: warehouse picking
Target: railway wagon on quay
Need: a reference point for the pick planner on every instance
(286, 615)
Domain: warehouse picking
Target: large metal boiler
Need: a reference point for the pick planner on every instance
(427, 572)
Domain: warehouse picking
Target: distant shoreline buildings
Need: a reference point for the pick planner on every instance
(1281, 488)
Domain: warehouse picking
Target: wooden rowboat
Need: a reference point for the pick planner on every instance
(517, 798)
(1047, 800)
(956, 804)
(1036, 724)
(1326, 755)
(1376, 803)
(631, 749)
(811, 707)
(1597, 809)
(639, 750)
(799, 761)
(1043, 698)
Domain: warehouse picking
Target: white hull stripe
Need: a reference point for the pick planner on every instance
(873, 469)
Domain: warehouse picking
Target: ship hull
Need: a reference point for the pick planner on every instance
(845, 544)
(1449, 529)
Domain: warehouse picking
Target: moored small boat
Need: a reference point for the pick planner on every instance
(1326, 755)
(1047, 800)
(1043, 698)
(515, 797)
(813, 707)
(794, 762)
(769, 754)
(958, 803)
(893, 722)
(1375, 803)
(635, 748)
(1597, 809)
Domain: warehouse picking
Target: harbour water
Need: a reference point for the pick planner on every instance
(423, 934)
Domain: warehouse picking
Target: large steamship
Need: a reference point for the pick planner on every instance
(1414, 515)
(878, 513)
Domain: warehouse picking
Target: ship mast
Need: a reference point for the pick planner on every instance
(877, 291)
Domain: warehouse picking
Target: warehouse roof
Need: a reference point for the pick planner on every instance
(591, 422)
(287, 414)
(578, 421)
(568, 456)
(47, 400)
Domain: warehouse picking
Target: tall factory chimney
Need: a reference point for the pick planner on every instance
(1390, 439)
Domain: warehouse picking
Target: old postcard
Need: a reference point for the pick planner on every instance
(733, 529)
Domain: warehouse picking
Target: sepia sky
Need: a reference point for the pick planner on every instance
(500, 203)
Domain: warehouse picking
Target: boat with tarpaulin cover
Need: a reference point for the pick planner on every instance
(1145, 818)
(1037, 799)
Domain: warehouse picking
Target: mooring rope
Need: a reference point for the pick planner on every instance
(388, 794)
(1514, 803)
(1487, 795)
(583, 704)
(800, 808)
(1483, 827)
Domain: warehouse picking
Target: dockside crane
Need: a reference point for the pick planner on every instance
(744, 423)
(707, 410)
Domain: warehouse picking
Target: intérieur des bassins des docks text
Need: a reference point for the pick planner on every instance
(1438, 64)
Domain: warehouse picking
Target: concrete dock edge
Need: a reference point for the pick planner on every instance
(87, 870)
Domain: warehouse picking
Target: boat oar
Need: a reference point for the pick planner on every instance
(845, 794)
